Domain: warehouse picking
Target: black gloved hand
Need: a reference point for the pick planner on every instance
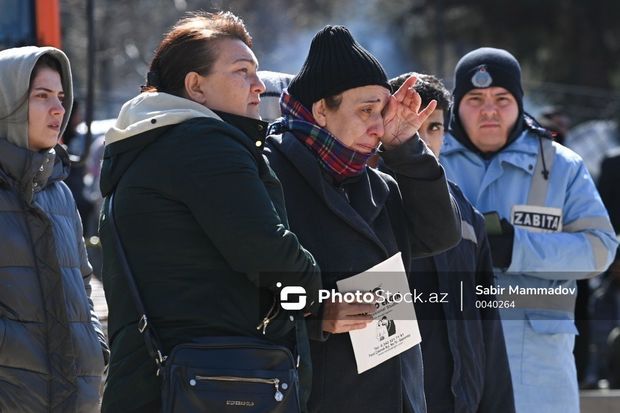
(501, 245)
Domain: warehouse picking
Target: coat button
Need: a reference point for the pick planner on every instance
(153, 120)
(530, 167)
(291, 318)
(35, 185)
(261, 127)
(41, 168)
(259, 144)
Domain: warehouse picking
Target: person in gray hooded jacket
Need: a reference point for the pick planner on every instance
(52, 348)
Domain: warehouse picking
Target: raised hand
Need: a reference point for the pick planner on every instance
(402, 116)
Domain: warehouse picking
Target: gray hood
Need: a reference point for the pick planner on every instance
(15, 69)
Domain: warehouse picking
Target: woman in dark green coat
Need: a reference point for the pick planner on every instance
(200, 213)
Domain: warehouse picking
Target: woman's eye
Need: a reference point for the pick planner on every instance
(367, 110)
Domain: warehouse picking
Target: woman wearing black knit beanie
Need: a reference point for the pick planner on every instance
(338, 112)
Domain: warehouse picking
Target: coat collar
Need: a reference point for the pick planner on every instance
(521, 153)
(369, 192)
(31, 171)
(256, 129)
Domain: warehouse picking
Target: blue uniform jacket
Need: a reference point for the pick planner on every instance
(540, 330)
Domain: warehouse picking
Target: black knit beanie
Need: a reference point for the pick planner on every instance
(487, 67)
(335, 63)
(482, 68)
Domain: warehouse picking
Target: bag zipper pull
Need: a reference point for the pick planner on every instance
(278, 396)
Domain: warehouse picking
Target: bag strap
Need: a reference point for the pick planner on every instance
(153, 344)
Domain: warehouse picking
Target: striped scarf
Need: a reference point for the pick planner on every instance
(338, 160)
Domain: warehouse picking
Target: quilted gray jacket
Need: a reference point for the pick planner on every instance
(50, 338)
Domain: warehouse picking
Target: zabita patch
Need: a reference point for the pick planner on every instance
(537, 218)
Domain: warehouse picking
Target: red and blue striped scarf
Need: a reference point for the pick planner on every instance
(338, 160)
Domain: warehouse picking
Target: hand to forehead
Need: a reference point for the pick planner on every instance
(402, 116)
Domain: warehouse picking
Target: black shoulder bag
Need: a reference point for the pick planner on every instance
(216, 374)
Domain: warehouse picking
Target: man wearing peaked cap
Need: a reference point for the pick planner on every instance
(338, 112)
(552, 228)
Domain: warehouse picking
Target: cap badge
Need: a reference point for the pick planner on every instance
(481, 78)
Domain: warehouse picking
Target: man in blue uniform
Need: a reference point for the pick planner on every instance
(550, 227)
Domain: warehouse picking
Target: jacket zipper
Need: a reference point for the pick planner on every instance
(271, 314)
(275, 381)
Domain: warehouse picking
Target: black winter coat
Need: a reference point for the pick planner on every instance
(203, 223)
(51, 344)
(349, 229)
(608, 186)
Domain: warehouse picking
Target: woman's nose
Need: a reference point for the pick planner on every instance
(377, 130)
(58, 108)
(259, 86)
